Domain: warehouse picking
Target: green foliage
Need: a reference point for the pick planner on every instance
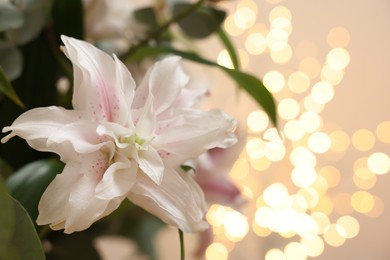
(201, 23)
(148, 17)
(28, 183)
(18, 238)
(7, 89)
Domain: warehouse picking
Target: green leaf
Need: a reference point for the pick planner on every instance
(11, 60)
(18, 238)
(5, 169)
(252, 85)
(68, 18)
(147, 16)
(7, 218)
(7, 89)
(229, 47)
(201, 23)
(28, 183)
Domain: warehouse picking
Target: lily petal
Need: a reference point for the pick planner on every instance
(151, 164)
(193, 132)
(117, 180)
(103, 87)
(53, 204)
(164, 80)
(178, 200)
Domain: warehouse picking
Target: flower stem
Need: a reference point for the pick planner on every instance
(156, 33)
(182, 253)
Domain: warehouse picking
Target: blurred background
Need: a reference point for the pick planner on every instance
(323, 187)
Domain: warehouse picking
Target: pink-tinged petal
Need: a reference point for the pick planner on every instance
(178, 200)
(146, 121)
(103, 87)
(164, 80)
(117, 180)
(37, 125)
(193, 132)
(151, 164)
(52, 207)
(84, 208)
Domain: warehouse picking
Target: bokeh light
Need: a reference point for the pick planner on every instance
(379, 163)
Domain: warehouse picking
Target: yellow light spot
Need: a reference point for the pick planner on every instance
(255, 148)
(247, 191)
(331, 75)
(260, 231)
(236, 226)
(288, 108)
(274, 81)
(313, 245)
(298, 203)
(281, 23)
(274, 151)
(379, 163)
(298, 82)
(282, 55)
(321, 185)
(338, 37)
(362, 201)
(223, 59)
(260, 164)
(295, 251)
(245, 17)
(277, 39)
(310, 66)
(212, 215)
(363, 140)
(231, 27)
(279, 11)
(260, 202)
(350, 225)
(378, 208)
(360, 163)
(311, 105)
(275, 195)
(240, 169)
(255, 43)
(216, 251)
(305, 49)
(275, 254)
(324, 205)
(257, 121)
(293, 130)
(364, 178)
(302, 156)
(334, 235)
(342, 203)
(310, 121)
(340, 141)
(331, 174)
(310, 195)
(322, 92)
(338, 58)
(383, 132)
(264, 217)
(319, 142)
(322, 220)
(303, 176)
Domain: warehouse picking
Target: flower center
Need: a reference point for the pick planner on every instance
(139, 142)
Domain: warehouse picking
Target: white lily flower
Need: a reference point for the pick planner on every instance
(121, 142)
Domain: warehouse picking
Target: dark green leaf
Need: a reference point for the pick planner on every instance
(201, 23)
(229, 47)
(25, 238)
(148, 17)
(187, 168)
(7, 89)
(18, 238)
(68, 18)
(7, 217)
(28, 183)
(5, 169)
(10, 16)
(249, 83)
